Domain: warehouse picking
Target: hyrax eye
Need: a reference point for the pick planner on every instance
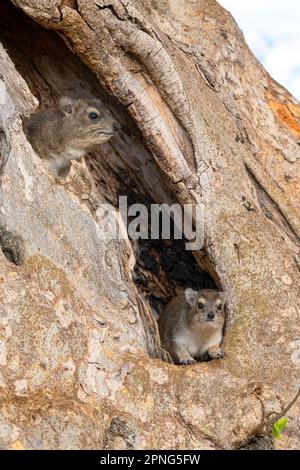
(93, 116)
(219, 307)
(200, 305)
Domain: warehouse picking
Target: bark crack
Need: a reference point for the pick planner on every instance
(285, 225)
(111, 8)
(193, 431)
(4, 150)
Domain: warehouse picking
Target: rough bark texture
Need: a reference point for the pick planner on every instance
(202, 121)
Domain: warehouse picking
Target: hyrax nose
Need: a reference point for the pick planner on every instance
(116, 126)
(210, 315)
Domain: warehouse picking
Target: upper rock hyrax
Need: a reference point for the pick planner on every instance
(68, 132)
(191, 325)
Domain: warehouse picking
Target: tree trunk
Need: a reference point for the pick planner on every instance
(81, 362)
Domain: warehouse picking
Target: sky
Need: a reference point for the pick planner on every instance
(272, 30)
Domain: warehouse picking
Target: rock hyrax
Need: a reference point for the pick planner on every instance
(68, 132)
(191, 326)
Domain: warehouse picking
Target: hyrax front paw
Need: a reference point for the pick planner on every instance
(186, 362)
(216, 354)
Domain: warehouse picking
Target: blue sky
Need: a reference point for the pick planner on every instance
(272, 30)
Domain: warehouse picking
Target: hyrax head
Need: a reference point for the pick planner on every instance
(87, 120)
(206, 306)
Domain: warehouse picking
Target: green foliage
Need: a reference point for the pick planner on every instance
(278, 427)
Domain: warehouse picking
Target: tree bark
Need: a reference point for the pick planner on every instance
(202, 122)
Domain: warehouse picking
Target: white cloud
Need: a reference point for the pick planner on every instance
(272, 30)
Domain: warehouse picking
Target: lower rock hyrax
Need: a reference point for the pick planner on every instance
(191, 326)
(67, 133)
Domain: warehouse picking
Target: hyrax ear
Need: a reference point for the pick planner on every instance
(191, 296)
(66, 104)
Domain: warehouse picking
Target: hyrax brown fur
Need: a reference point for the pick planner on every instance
(67, 133)
(191, 326)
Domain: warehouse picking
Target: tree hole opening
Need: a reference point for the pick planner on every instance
(123, 166)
